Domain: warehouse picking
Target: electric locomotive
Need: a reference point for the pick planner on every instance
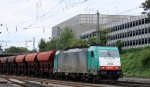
(93, 63)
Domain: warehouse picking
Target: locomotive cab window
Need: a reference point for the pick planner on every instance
(92, 54)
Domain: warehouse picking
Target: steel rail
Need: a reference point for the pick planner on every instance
(80, 83)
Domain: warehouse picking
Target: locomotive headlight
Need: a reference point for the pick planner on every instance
(118, 67)
(102, 67)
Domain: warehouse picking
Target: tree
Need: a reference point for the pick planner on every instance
(14, 49)
(146, 5)
(33, 51)
(104, 36)
(63, 41)
(66, 37)
(53, 44)
(119, 44)
(42, 45)
(78, 42)
(92, 40)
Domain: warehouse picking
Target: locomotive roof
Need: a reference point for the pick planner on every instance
(76, 50)
(102, 48)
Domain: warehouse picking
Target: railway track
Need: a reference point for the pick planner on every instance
(19, 82)
(50, 83)
(127, 83)
(40, 82)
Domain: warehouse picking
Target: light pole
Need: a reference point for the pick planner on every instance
(98, 31)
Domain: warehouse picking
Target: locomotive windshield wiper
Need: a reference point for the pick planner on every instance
(109, 54)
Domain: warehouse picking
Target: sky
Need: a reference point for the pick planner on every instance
(23, 20)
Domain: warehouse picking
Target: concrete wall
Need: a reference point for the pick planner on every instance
(84, 22)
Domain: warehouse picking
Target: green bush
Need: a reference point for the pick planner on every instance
(136, 62)
(146, 60)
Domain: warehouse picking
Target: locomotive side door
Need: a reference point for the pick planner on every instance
(92, 62)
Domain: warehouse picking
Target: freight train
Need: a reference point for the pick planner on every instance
(92, 63)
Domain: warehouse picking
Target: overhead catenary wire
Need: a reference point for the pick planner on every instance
(50, 16)
(40, 19)
(129, 10)
(46, 18)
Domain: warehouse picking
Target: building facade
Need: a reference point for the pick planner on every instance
(133, 32)
(86, 22)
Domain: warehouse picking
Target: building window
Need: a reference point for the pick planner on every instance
(140, 41)
(118, 28)
(122, 35)
(126, 25)
(127, 43)
(113, 28)
(118, 36)
(136, 32)
(146, 20)
(133, 33)
(142, 21)
(139, 32)
(133, 42)
(123, 26)
(148, 40)
(123, 43)
(145, 30)
(115, 36)
(142, 31)
(149, 30)
(130, 24)
(145, 40)
(136, 42)
(130, 33)
(137, 23)
(133, 23)
(126, 33)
